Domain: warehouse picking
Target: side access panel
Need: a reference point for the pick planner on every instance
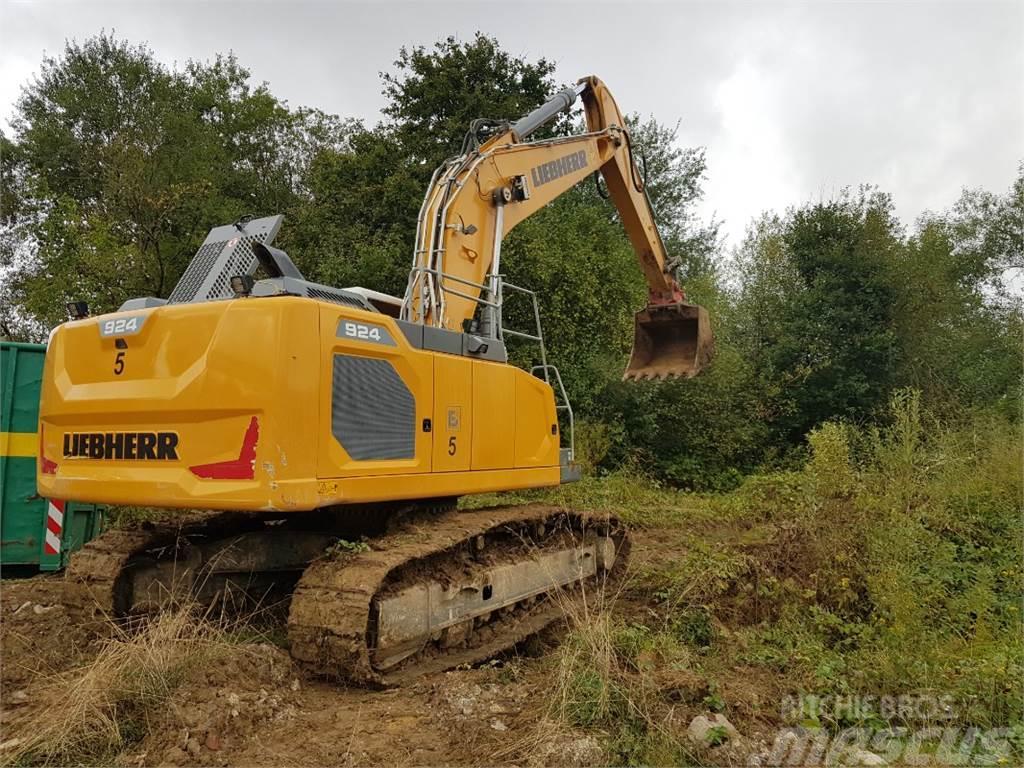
(376, 392)
(537, 439)
(453, 413)
(494, 409)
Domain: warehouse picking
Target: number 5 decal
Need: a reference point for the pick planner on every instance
(451, 446)
(119, 364)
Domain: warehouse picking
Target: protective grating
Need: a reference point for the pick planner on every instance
(336, 298)
(227, 251)
(242, 261)
(373, 413)
(195, 275)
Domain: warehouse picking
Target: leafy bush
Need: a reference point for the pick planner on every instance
(903, 562)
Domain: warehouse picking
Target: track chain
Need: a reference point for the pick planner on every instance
(330, 613)
(96, 576)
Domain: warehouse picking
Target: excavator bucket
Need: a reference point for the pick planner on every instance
(670, 340)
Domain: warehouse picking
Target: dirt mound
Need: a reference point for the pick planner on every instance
(38, 634)
(215, 710)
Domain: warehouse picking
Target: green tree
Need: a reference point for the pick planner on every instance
(358, 226)
(435, 93)
(957, 320)
(836, 347)
(118, 166)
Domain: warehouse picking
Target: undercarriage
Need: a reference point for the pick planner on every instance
(373, 596)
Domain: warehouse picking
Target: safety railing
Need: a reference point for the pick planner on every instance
(565, 405)
(440, 279)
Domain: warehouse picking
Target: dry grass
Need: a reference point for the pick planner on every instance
(603, 690)
(100, 708)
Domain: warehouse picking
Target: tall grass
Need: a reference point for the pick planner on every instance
(603, 680)
(104, 706)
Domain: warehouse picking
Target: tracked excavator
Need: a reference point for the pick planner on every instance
(328, 432)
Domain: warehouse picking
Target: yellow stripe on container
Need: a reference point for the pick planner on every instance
(19, 443)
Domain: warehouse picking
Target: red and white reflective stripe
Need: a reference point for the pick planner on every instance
(54, 526)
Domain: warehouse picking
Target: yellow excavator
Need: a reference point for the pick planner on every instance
(309, 417)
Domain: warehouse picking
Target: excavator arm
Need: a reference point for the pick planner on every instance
(476, 198)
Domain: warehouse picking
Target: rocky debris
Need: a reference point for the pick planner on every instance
(22, 607)
(205, 723)
(863, 757)
(711, 730)
(39, 609)
(497, 725)
(18, 698)
(568, 750)
(468, 699)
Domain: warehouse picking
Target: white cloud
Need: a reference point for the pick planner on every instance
(793, 101)
(15, 71)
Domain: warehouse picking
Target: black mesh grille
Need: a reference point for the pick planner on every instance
(226, 252)
(373, 413)
(242, 261)
(335, 298)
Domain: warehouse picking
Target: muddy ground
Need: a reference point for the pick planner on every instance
(254, 708)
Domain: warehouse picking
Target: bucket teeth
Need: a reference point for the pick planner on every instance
(670, 340)
(654, 375)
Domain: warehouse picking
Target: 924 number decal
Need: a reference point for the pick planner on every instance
(122, 326)
(370, 332)
(360, 331)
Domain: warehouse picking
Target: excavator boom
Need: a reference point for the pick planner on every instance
(476, 198)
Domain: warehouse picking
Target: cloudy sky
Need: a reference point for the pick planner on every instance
(792, 101)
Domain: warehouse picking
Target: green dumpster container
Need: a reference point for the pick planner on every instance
(34, 531)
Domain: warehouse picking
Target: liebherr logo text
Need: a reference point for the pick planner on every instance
(555, 169)
(138, 446)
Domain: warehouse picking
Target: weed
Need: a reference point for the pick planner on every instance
(343, 547)
(716, 735)
(713, 701)
(603, 683)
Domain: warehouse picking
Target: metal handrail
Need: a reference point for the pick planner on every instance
(442, 276)
(539, 338)
(566, 406)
